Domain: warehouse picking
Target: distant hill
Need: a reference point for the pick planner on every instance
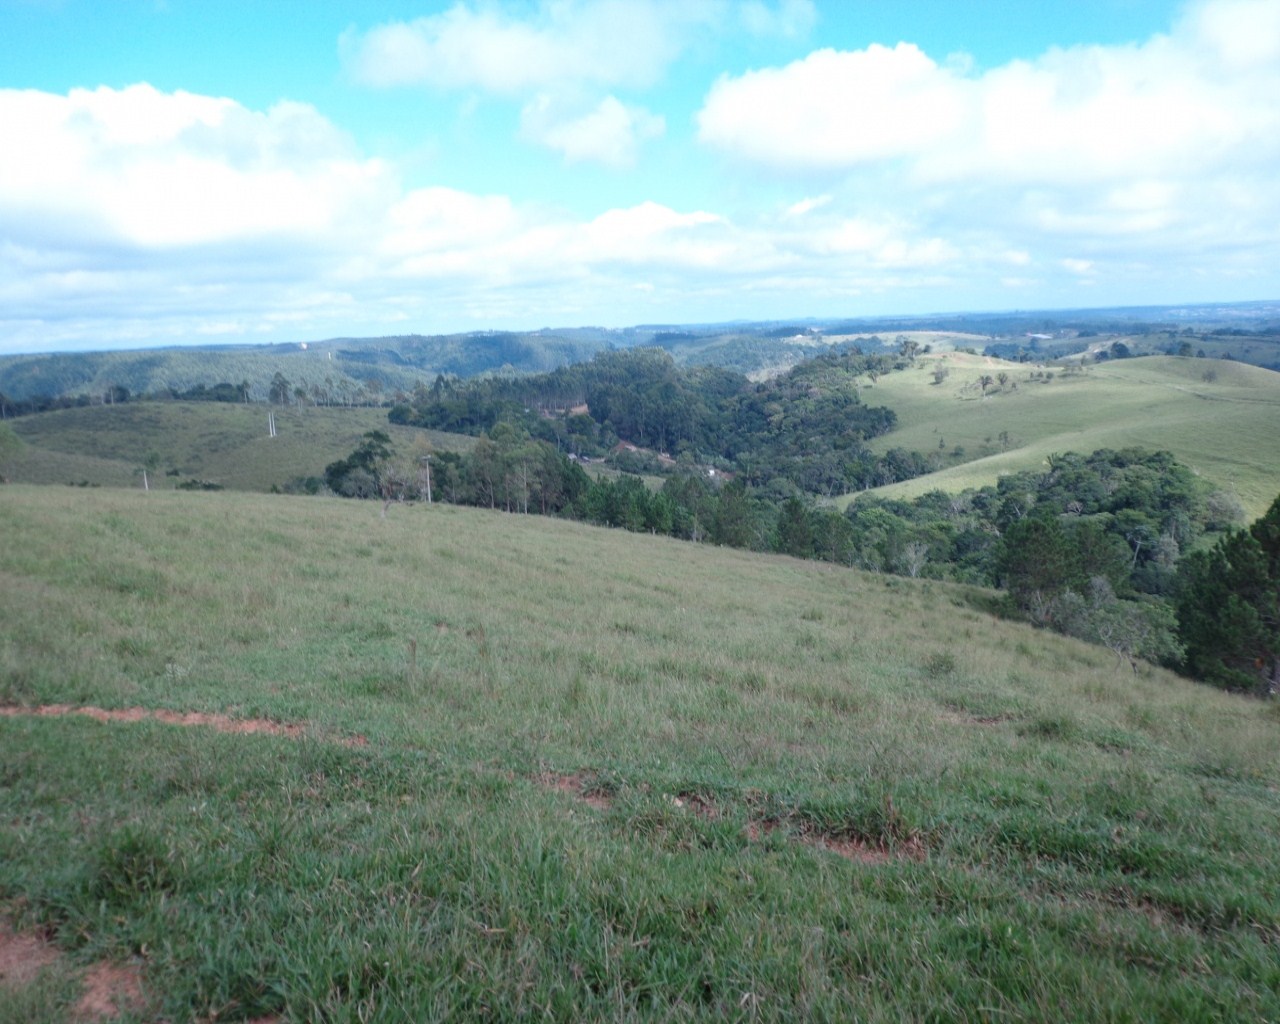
(332, 371)
(1218, 417)
(346, 370)
(215, 442)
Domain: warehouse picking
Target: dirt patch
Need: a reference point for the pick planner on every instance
(863, 852)
(578, 785)
(218, 722)
(22, 957)
(853, 848)
(190, 719)
(109, 991)
(758, 828)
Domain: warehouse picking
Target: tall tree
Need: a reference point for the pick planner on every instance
(1229, 608)
(280, 389)
(794, 535)
(1038, 563)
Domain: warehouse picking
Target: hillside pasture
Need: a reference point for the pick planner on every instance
(526, 768)
(223, 443)
(1220, 418)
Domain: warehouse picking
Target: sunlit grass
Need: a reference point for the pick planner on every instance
(1223, 428)
(1058, 838)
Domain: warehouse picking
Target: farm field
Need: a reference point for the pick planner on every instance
(453, 764)
(1224, 428)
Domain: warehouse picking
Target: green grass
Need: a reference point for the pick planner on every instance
(1056, 838)
(1225, 428)
(222, 443)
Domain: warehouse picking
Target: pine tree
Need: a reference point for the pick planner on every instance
(1037, 563)
(1229, 609)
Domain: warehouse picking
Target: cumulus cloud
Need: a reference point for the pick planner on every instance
(607, 43)
(561, 58)
(835, 109)
(1113, 151)
(140, 167)
(136, 216)
(1202, 95)
(807, 205)
(610, 133)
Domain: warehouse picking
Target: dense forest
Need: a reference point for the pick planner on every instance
(803, 431)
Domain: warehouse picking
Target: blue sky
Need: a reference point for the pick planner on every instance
(174, 171)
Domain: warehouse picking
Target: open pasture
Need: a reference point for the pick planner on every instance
(223, 443)
(502, 767)
(1220, 418)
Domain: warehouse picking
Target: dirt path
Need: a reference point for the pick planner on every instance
(191, 719)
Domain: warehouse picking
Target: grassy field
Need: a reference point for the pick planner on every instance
(538, 770)
(1226, 428)
(219, 442)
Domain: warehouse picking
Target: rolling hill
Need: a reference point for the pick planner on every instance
(339, 370)
(279, 758)
(222, 443)
(1220, 418)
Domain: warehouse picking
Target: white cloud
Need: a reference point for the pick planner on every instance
(136, 216)
(610, 134)
(140, 167)
(565, 59)
(807, 205)
(1199, 97)
(436, 220)
(835, 110)
(603, 43)
(1110, 153)
(1239, 33)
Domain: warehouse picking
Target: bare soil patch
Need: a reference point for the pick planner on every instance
(863, 852)
(22, 957)
(191, 719)
(109, 991)
(218, 722)
(578, 785)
